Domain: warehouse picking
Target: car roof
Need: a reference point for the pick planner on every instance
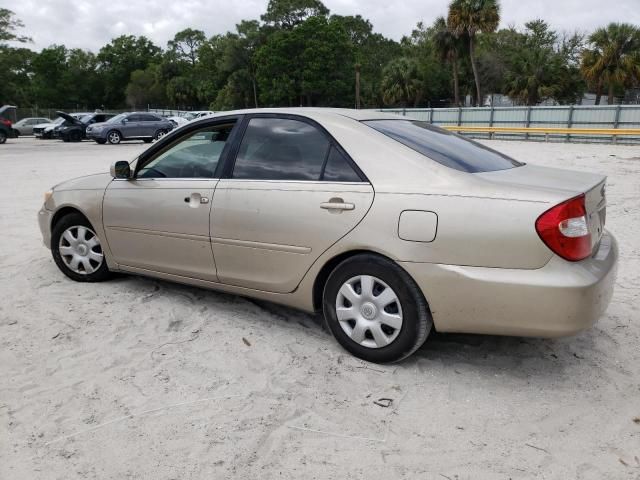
(317, 112)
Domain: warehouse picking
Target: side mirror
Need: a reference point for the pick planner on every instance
(120, 169)
(124, 120)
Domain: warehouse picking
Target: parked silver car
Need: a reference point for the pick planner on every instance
(130, 126)
(389, 226)
(25, 126)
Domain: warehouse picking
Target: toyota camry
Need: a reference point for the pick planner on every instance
(389, 226)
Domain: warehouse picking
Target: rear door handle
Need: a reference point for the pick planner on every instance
(337, 204)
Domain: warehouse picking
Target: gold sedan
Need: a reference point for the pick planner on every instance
(389, 226)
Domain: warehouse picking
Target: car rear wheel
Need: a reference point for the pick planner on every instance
(3, 137)
(77, 250)
(159, 134)
(114, 137)
(101, 142)
(375, 310)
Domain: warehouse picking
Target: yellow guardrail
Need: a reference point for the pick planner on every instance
(546, 131)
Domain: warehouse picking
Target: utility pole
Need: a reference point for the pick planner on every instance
(357, 86)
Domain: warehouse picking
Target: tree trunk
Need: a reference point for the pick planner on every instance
(357, 86)
(472, 56)
(456, 81)
(599, 91)
(255, 91)
(610, 99)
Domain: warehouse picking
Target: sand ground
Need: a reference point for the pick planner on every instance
(143, 379)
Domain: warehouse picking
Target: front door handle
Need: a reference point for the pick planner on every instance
(195, 200)
(337, 205)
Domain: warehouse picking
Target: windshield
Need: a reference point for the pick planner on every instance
(444, 147)
(117, 118)
(86, 118)
(58, 121)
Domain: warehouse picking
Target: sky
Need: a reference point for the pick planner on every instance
(90, 24)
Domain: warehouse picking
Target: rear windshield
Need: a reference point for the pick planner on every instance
(444, 147)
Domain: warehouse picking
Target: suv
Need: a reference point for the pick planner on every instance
(130, 126)
(75, 129)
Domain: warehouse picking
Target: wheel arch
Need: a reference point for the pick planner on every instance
(63, 212)
(324, 272)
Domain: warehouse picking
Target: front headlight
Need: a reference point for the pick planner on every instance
(47, 196)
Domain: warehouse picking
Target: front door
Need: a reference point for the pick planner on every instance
(159, 219)
(292, 193)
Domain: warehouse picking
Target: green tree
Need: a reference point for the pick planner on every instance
(400, 83)
(311, 64)
(470, 17)
(118, 59)
(186, 44)
(289, 13)
(9, 24)
(145, 87)
(448, 45)
(613, 58)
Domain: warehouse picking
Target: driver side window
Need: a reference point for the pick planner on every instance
(193, 156)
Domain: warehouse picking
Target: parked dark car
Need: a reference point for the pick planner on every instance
(75, 129)
(51, 130)
(130, 126)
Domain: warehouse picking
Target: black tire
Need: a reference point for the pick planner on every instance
(101, 142)
(159, 134)
(3, 137)
(114, 137)
(16, 133)
(75, 136)
(416, 317)
(71, 220)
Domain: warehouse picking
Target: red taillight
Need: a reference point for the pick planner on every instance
(564, 229)
(5, 121)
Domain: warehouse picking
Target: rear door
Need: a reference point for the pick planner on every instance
(291, 193)
(149, 124)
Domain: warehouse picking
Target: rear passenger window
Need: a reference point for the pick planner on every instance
(338, 169)
(281, 149)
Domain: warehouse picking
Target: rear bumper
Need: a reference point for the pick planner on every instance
(559, 299)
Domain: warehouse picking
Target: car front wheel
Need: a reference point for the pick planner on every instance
(77, 250)
(114, 137)
(375, 310)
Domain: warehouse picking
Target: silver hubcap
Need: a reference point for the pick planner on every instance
(80, 250)
(369, 311)
(114, 137)
(160, 134)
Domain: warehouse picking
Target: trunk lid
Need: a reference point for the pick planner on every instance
(553, 186)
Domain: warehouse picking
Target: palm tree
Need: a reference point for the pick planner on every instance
(613, 59)
(400, 85)
(448, 46)
(471, 17)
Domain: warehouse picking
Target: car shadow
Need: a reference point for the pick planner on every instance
(488, 354)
